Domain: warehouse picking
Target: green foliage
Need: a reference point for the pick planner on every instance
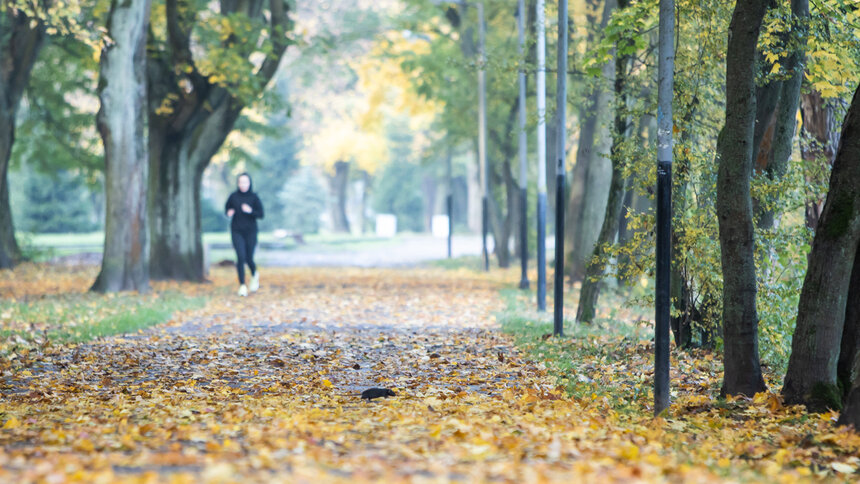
(398, 191)
(56, 123)
(303, 201)
(212, 217)
(56, 203)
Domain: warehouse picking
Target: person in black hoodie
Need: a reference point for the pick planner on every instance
(244, 207)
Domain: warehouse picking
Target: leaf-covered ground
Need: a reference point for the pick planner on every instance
(266, 388)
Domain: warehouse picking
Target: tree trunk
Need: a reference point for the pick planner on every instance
(122, 92)
(850, 347)
(818, 141)
(429, 188)
(184, 137)
(734, 206)
(849, 366)
(337, 201)
(19, 47)
(174, 208)
(596, 264)
(776, 120)
(10, 253)
(811, 378)
(584, 208)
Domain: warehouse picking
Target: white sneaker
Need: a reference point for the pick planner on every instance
(255, 282)
(243, 290)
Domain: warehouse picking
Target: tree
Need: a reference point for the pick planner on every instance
(203, 68)
(590, 180)
(777, 102)
(23, 35)
(823, 331)
(734, 205)
(596, 265)
(121, 120)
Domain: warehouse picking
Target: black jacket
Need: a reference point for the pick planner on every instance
(244, 221)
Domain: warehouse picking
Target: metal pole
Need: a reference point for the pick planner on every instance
(482, 133)
(524, 234)
(665, 68)
(541, 151)
(449, 202)
(561, 102)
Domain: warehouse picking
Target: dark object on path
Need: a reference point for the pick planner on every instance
(226, 263)
(372, 393)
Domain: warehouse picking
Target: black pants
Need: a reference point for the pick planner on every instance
(244, 242)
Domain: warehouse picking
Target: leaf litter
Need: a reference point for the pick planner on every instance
(268, 388)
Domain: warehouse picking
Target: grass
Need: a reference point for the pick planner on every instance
(78, 317)
(578, 359)
(42, 247)
(469, 262)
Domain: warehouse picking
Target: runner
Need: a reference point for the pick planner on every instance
(244, 207)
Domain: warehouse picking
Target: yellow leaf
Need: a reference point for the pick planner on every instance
(84, 445)
(12, 423)
(630, 452)
(326, 383)
(775, 68)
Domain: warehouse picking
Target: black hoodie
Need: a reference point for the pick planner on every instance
(244, 221)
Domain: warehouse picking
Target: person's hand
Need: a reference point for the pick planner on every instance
(230, 212)
(246, 208)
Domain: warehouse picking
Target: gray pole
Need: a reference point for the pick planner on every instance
(665, 69)
(541, 151)
(482, 133)
(524, 234)
(561, 103)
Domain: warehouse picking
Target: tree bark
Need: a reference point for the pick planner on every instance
(811, 378)
(122, 92)
(338, 185)
(584, 207)
(734, 207)
(184, 138)
(849, 361)
(596, 264)
(818, 141)
(776, 120)
(19, 48)
(850, 347)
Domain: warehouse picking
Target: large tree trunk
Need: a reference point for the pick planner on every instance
(22, 38)
(588, 183)
(850, 346)
(776, 119)
(10, 253)
(338, 184)
(811, 378)
(849, 360)
(190, 116)
(596, 264)
(174, 208)
(122, 91)
(734, 206)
